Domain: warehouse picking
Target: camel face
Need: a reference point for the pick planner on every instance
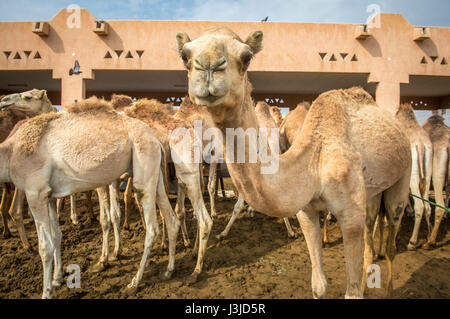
(217, 63)
(31, 102)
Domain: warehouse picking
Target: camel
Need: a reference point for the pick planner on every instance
(439, 136)
(268, 117)
(35, 102)
(188, 171)
(289, 128)
(57, 154)
(348, 153)
(421, 170)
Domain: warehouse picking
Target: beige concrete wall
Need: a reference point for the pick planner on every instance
(390, 55)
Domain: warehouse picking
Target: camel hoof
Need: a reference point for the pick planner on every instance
(57, 282)
(192, 279)
(167, 275)
(221, 236)
(114, 257)
(412, 247)
(428, 246)
(98, 267)
(7, 235)
(292, 235)
(130, 290)
(187, 244)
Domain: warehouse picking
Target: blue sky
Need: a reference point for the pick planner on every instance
(418, 12)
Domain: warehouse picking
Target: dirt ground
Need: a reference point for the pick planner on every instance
(256, 260)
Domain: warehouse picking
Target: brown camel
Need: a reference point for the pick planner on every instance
(421, 169)
(8, 120)
(89, 146)
(267, 117)
(347, 154)
(440, 137)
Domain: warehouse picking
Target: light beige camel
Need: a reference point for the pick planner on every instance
(440, 137)
(347, 154)
(31, 103)
(57, 154)
(187, 169)
(421, 169)
(267, 117)
(291, 126)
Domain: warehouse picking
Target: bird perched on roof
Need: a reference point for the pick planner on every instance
(265, 19)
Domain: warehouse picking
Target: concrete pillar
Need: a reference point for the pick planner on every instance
(388, 95)
(73, 89)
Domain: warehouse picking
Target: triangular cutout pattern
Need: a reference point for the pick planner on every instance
(37, 55)
(444, 61)
(7, 54)
(433, 57)
(108, 55)
(168, 99)
(281, 101)
(322, 55)
(27, 53)
(128, 56)
(344, 55)
(140, 53)
(423, 61)
(17, 56)
(333, 58)
(119, 53)
(354, 58)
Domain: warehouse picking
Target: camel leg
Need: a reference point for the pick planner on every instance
(428, 174)
(189, 175)
(4, 206)
(57, 236)
(39, 206)
(372, 209)
(325, 232)
(439, 169)
(351, 221)
(90, 206)
(163, 233)
(141, 212)
(379, 222)
(418, 203)
(73, 209)
(172, 224)
(222, 186)
(16, 210)
(127, 199)
(291, 233)
(310, 224)
(212, 187)
(180, 212)
(395, 201)
(115, 217)
(59, 206)
(238, 207)
(105, 222)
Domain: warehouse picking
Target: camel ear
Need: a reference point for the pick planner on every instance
(254, 41)
(41, 94)
(182, 39)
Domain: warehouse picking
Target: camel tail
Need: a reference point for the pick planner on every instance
(164, 168)
(421, 156)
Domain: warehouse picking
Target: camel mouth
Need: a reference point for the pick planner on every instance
(4, 105)
(208, 100)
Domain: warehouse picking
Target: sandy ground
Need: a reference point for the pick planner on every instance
(256, 260)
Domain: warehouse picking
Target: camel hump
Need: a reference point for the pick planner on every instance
(153, 111)
(354, 95)
(90, 106)
(29, 134)
(120, 101)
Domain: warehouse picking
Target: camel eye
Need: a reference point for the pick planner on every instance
(246, 58)
(27, 97)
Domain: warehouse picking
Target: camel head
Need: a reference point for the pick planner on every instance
(30, 102)
(217, 64)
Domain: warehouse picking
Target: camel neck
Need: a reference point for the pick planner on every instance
(5, 154)
(282, 192)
